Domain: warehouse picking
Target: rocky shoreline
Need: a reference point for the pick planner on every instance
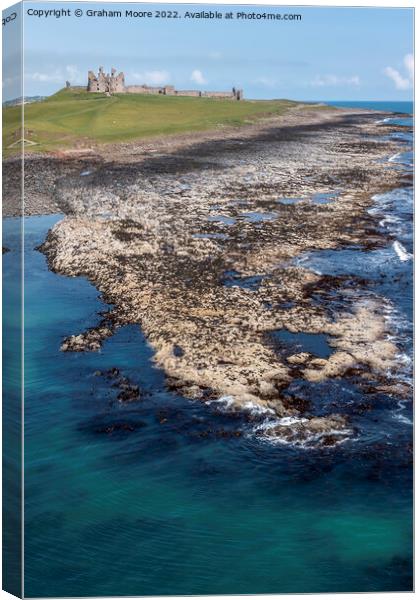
(196, 243)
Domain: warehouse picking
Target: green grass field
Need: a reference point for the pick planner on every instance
(73, 117)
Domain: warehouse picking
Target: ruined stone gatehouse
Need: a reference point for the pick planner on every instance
(115, 84)
(106, 83)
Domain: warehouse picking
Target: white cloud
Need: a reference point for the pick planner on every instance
(402, 81)
(70, 72)
(409, 65)
(43, 77)
(216, 55)
(198, 77)
(334, 80)
(150, 77)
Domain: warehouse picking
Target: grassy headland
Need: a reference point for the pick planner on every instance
(75, 118)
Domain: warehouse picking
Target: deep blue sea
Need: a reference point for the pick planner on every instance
(161, 496)
(397, 106)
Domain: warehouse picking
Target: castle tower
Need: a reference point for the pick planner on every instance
(106, 83)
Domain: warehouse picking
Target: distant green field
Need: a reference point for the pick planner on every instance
(73, 117)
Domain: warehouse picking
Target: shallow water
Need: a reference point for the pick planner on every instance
(222, 219)
(141, 499)
(210, 236)
(289, 201)
(259, 217)
(324, 197)
(169, 496)
(387, 270)
(234, 279)
(314, 343)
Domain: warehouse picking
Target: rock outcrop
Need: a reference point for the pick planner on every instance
(157, 236)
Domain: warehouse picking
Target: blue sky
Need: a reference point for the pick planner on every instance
(331, 54)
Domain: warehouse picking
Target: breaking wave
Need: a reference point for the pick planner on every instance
(401, 251)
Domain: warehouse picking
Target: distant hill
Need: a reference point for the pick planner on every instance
(75, 118)
(26, 100)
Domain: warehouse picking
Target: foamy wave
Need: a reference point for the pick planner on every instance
(395, 157)
(224, 402)
(256, 409)
(402, 158)
(229, 404)
(402, 252)
(398, 325)
(400, 417)
(404, 359)
(391, 200)
(269, 426)
(400, 329)
(295, 435)
(388, 219)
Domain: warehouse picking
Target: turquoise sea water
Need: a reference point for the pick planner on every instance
(168, 496)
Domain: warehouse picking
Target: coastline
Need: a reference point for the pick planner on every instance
(145, 459)
(171, 231)
(43, 169)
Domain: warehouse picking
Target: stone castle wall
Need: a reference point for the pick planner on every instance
(141, 89)
(193, 93)
(115, 84)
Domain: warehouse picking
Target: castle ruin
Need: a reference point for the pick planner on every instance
(115, 84)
